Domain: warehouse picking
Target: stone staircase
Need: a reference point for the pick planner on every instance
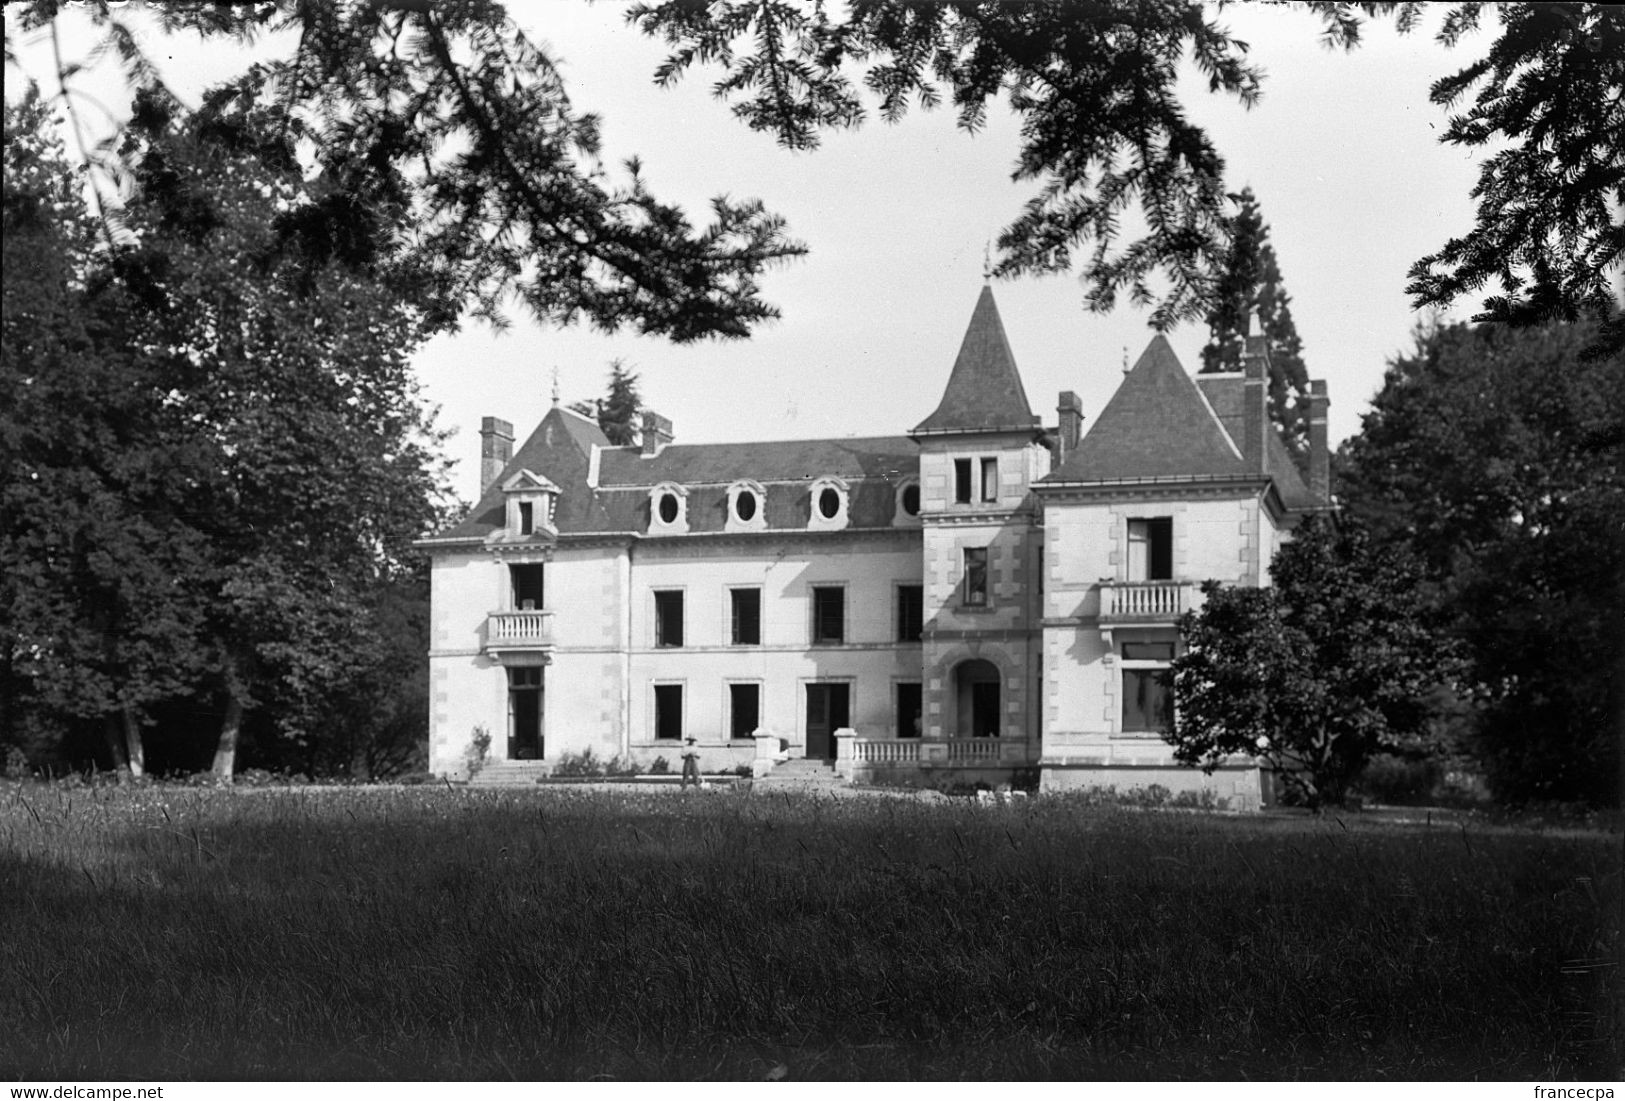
(510, 774)
(800, 774)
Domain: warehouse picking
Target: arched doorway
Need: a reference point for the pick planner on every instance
(976, 696)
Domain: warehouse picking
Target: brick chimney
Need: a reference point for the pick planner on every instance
(1071, 414)
(656, 433)
(496, 448)
(1320, 461)
(1255, 396)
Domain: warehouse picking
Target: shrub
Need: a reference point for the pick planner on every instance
(1025, 779)
(615, 766)
(584, 764)
(1199, 800)
(478, 746)
(1389, 778)
(660, 767)
(16, 763)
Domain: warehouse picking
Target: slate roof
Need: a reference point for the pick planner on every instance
(561, 449)
(558, 450)
(984, 390)
(1157, 425)
(1162, 423)
(1224, 394)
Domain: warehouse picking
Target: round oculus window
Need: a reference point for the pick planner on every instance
(745, 506)
(829, 503)
(911, 499)
(668, 508)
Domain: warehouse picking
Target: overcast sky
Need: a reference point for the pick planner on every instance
(1342, 153)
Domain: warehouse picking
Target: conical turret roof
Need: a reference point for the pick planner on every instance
(984, 391)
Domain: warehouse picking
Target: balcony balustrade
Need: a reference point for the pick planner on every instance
(1145, 602)
(518, 631)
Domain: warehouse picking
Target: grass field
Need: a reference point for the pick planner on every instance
(171, 933)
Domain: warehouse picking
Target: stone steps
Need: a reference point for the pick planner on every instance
(510, 774)
(800, 774)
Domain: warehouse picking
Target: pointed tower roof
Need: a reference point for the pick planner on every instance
(1157, 425)
(984, 391)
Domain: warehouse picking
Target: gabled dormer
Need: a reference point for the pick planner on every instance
(530, 506)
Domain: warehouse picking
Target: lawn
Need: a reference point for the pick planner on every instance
(175, 933)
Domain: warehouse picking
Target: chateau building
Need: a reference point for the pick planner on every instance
(980, 595)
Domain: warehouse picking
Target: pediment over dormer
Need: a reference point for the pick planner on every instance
(528, 480)
(531, 505)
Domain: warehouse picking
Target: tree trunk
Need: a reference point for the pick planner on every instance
(115, 745)
(225, 752)
(135, 752)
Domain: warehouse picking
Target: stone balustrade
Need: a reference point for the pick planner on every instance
(1144, 601)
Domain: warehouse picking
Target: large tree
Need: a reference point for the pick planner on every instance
(1493, 454)
(94, 621)
(1250, 287)
(220, 454)
(451, 107)
(1314, 674)
(451, 155)
(1103, 130)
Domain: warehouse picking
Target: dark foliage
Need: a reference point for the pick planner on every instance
(1313, 675)
(1103, 131)
(1251, 285)
(220, 460)
(1493, 454)
(617, 412)
(452, 158)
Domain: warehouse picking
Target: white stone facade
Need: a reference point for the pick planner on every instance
(984, 593)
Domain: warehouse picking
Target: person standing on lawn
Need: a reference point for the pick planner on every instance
(691, 765)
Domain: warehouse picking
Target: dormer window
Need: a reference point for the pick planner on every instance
(747, 506)
(531, 501)
(907, 510)
(828, 505)
(668, 509)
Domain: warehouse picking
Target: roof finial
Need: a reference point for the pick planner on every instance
(987, 260)
(1125, 359)
(555, 384)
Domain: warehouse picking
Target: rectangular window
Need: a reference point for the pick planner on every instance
(1148, 704)
(744, 709)
(747, 616)
(909, 718)
(976, 575)
(1148, 651)
(990, 479)
(669, 618)
(527, 520)
(669, 712)
(527, 586)
(829, 615)
(1151, 549)
(910, 613)
(962, 481)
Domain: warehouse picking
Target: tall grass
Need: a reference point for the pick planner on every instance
(173, 933)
